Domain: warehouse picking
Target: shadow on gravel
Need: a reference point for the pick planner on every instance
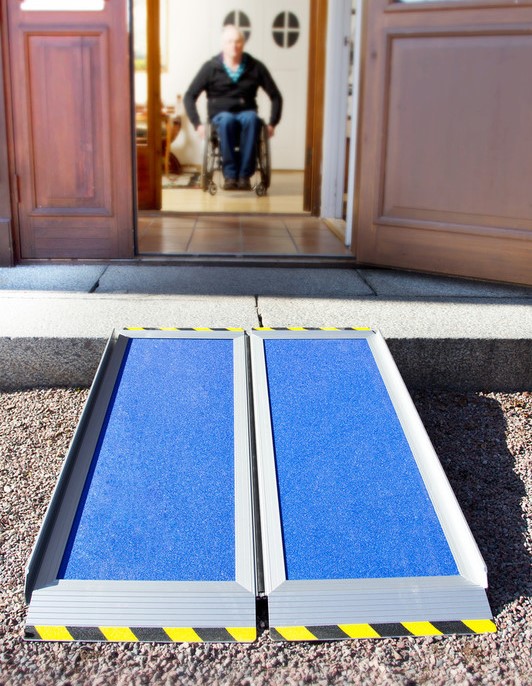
(468, 432)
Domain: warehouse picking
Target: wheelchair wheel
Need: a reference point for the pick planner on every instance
(209, 162)
(264, 161)
(260, 189)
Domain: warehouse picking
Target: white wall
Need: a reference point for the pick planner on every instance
(193, 41)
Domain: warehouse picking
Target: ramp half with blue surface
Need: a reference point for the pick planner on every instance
(362, 535)
(149, 535)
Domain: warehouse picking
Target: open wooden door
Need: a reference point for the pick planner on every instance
(446, 140)
(72, 129)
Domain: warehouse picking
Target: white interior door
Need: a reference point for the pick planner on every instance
(288, 62)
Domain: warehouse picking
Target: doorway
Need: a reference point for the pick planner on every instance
(175, 216)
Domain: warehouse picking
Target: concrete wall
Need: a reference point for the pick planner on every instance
(425, 364)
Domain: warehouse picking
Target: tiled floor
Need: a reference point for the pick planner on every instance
(285, 196)
(222, 234)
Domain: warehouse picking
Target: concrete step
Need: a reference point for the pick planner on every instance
(443, 332)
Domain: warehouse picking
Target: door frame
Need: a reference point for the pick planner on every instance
(151, 152)
(9, 250)
(344, 51)
(336, 108)
(312, 184)
(315, 106)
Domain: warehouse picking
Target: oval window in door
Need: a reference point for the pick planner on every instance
(285, 29)
(241, 21)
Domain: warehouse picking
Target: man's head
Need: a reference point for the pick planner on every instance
(232, 43)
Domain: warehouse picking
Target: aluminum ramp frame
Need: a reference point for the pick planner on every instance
(362, 536)
(92, 578)
(149, 534)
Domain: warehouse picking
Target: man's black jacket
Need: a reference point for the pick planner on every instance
(225, 96)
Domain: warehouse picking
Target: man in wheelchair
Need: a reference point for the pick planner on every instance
(231, 81)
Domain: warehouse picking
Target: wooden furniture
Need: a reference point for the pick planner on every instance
(172, 122)
(170, 128)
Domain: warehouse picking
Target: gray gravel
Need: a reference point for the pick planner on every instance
(484, 441)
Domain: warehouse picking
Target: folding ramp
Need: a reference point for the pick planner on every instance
(361, 533)
(149, 535)
(210, 468)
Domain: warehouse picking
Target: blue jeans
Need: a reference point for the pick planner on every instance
(240, 130)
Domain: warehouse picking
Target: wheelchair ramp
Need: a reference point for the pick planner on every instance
(362, 535)
(211, 468)
(149, 532)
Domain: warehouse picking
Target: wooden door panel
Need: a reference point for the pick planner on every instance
(462, 118)
(460, 254)
(72, 132)
(80, 177)
(446, 158)
(90, 241)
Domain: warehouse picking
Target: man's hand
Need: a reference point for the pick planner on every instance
(201, 131)
(271, 130)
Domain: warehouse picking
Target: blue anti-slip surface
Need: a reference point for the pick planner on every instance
(159, 500)
(353, 504)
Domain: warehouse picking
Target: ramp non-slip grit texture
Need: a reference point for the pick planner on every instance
(156, 531)
(149, 534)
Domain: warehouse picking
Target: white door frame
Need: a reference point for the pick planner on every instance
(335, 110)
(339, 41)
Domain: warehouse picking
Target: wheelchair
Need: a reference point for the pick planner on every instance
(211, 171)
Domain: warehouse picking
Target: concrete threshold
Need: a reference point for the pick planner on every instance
(57, 339)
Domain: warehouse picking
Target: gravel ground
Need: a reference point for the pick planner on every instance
(484, 441)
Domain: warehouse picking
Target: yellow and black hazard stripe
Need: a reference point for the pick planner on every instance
(388, 630)
(151, 634)
(240, 329)
(308, 328)
(249, 634)
(174, 328)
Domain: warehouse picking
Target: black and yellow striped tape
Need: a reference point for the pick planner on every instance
(240, 329)
(249, 634)
(239, 634)
(309, 328)
(174, 328)
(389, 630)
